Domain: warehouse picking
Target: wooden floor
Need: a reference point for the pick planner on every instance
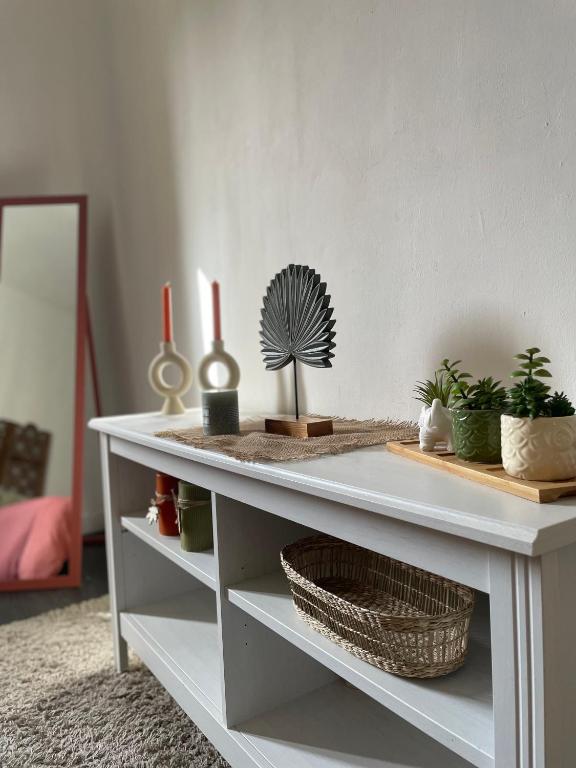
(22, 605)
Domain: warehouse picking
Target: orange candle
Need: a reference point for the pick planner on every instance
(216, 310)
(167, 311)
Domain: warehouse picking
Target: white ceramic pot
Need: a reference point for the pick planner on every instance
(539, 449)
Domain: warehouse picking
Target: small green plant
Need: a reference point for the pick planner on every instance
(531, 397)
(457, 380)
(485, 395)
(560, 405)
(530, 365)
(428, 391)
(528, 398)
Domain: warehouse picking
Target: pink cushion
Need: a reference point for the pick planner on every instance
(16, 522)
(48, 544)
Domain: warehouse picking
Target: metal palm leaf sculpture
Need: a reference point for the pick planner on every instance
(296, 322)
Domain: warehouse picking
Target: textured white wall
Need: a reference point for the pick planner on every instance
(54, 140)
(421, 155)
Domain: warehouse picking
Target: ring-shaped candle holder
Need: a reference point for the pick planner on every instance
(218, 355)
(171, 392)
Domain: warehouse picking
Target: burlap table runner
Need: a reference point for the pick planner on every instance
(254, 444)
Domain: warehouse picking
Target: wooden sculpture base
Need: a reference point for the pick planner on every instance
(487, 474)
(305, 426)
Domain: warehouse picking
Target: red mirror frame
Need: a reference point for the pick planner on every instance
(74, 576)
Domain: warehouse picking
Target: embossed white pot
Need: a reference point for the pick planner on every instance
(539, 449)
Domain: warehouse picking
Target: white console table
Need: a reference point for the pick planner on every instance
(219, 631)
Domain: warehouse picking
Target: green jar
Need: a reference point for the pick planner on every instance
(195, 517)
(476, 436)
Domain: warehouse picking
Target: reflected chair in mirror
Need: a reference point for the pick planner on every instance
(43, 327)
(24, 453)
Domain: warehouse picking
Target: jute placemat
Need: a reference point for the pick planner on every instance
(254, 444)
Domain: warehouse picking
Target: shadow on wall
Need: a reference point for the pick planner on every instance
(110, 339)
(23, 181)
(148, 215)
(478, 341)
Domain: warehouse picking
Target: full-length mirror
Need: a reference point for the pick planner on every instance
(42, 331)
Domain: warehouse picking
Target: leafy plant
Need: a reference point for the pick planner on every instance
(485, 395)
(531, 397)
(427, 391)
(530, 365)
(528, 398)
(559, 405)
(458, 384)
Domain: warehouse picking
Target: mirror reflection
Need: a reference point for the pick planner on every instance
(38, 317)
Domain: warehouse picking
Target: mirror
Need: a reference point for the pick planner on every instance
(42, 331)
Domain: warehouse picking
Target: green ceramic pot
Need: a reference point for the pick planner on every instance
(476, 436)
(195, 516)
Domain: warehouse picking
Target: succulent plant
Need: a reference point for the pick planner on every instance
(485, 395)
(531, 397)
(439, 388)
(560, 405)
(457, 379)
(530, 365)
(528, 398)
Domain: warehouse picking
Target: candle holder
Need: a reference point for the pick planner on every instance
(218, 355)
(220, 412)
(162, 509)
(172, 393)
(194, 517)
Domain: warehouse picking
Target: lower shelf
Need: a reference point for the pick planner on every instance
(183, 632)
(337, 726)
(456, 709)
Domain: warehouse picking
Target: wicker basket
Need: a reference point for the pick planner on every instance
(396, 617)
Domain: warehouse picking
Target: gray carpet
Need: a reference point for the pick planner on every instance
(62, 704)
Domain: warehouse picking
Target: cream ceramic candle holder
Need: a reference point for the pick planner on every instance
(172, 393)
(218, 355)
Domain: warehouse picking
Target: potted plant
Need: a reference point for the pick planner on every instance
(538, 429)
(476, 411)
(435, 420)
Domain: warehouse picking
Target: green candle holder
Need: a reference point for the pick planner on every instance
(220, 415)
(194, 517)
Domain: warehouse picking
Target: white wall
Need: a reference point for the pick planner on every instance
(55, 139)
(421, 155)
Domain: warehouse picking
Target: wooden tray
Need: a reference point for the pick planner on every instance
(487, 474)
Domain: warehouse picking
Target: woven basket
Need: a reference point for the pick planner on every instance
(396, 617)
